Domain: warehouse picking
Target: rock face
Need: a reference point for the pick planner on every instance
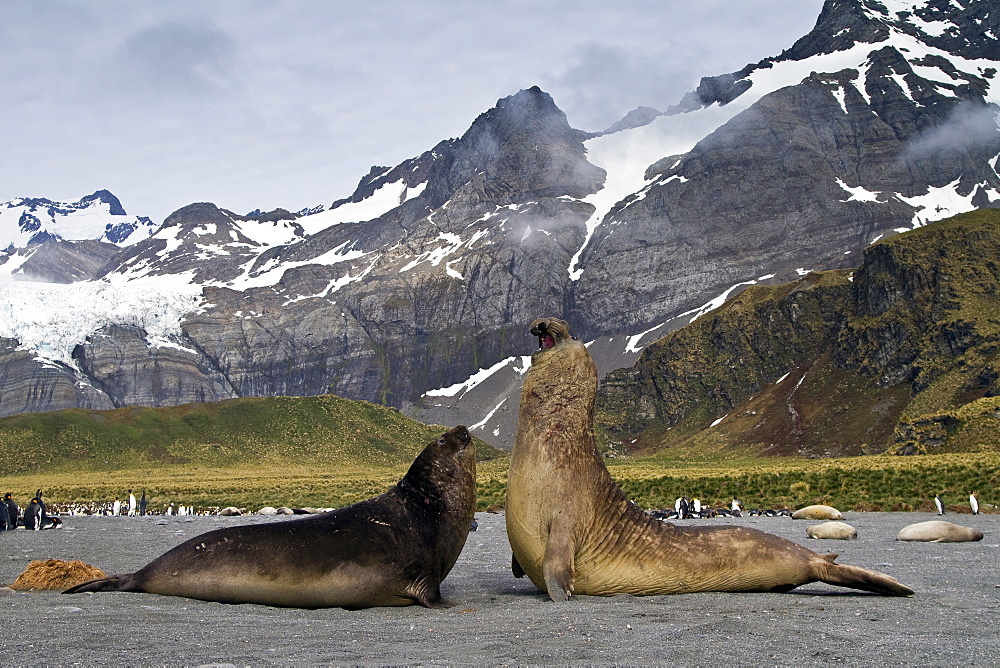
(58, 261)
(807, 177)
(30, 386)
(429, 272)
(124, 367)
(904, 358)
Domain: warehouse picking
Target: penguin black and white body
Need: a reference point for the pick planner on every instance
(142, 504)
(12, 512)
(974, 503)
(116, 507)
(41, 504)
(682, 507)
(131, 504)
(33, 516)
(939, 505)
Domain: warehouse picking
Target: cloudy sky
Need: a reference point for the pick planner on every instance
(287, 103)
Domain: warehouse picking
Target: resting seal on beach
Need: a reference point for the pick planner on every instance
(573, 530)
(393, 549)
(939, 531)
(817, 513)
(832, 531)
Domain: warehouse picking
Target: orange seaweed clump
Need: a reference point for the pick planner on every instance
(55, 574)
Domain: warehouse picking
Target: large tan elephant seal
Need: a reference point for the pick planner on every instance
(832, 531)
(818, 512)
(573, 530)
(394, 549)
(939, 531)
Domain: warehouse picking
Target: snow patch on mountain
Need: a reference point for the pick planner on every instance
(470, 383)
(858, 194)
(272, 271)
(266, 234)
(938, 203)
(11, 261)
(25, 221)
(52, 319)
(713, 304)
(386, 198)
(626, 155)
(450, 244)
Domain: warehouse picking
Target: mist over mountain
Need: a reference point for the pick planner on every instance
(416, 289)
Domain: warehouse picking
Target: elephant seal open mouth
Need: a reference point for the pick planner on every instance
(573, 530)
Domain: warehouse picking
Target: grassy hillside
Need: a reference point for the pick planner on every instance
(857, 483)
(331, 452)
(277, 431)
(900, 356)
(296, 451)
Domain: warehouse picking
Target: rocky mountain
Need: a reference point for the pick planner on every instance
(902, 354)
(64, 242)
(416, 290)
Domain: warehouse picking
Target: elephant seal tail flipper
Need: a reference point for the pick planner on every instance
(110, 583)
(856, 577)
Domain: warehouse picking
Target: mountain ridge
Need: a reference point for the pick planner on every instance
(427, 274)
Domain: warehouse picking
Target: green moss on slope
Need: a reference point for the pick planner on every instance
(832, 365)
(319, 430)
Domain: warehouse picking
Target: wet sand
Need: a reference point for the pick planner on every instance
(954, 619)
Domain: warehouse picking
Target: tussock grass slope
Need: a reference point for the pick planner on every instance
(901, 355)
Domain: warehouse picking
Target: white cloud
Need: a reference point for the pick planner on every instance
(967, 127)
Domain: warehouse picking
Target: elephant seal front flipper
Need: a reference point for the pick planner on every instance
(557, 564)
(393, 549)
(572, 530)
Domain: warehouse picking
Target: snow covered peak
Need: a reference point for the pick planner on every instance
(963, 27)
(100, 216)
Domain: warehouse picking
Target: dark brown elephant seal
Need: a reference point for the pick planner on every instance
(393, 549)
(573, 530)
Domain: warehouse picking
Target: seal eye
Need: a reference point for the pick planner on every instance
(441, 441)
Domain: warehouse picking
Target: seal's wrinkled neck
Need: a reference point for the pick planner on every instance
(559, 390)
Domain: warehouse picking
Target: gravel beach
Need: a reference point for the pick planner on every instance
(954, 618)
